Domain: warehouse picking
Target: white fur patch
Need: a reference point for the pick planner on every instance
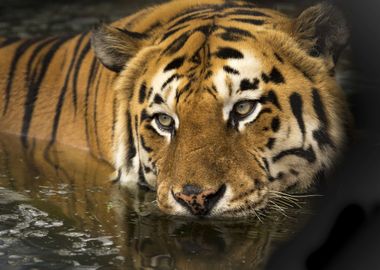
(249, 68)
(168, 93)
(222, 204)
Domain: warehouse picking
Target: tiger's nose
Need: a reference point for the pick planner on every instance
(199, 202)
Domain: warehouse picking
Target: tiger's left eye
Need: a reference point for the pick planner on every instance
(244, 108)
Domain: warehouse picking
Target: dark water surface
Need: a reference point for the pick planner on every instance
(58, 209)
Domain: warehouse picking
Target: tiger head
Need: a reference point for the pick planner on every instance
(221, 106)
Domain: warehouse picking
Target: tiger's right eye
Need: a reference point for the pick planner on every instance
(164, 122)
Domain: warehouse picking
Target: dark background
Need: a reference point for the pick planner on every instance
(345, 232)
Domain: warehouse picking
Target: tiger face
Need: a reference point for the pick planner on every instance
(226, 105)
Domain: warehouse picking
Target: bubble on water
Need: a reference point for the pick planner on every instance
(37, 260)
(14, 232)
(79, 245)
(65, 252)
(73, 234)
(14, 257)
(105, 240)
(105, 251)
(36, 234)
(30, 212)
(41, 223)
(119, 258)
(8, 217)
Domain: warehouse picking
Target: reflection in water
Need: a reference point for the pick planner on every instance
(58, 208)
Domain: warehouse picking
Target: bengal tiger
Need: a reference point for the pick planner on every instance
(216, 105)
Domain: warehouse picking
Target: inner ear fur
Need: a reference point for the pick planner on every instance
(114, 46)
(322, 31)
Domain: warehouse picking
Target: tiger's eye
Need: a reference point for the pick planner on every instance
(244, 108)
(165, 120)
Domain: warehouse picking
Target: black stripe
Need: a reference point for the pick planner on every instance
(142, 93)
(172, 32)
(158, 99)
(296, 104)
(262, 112)
(131, 141)
(175, 76)
(92, 72)
(250, 21)
(211, 93)
(62, 96)
(76, 49)
(177, 44)
(96, 112)
(246, 84)
(267, 169)
(226, 53)
(270, 143)
(143, 144)
(307, 75)
(231, 70)
(321, 135)
(275, 125)
(248, 12)
(34, 88)
(272, 98)
(21, 49)
(149, 127)
(144, 116)
(238, 31)
(197, 10)
(175, 64)
(78, 65)
(114, 118)
(31, 77)
(275, 76)
(189, 18)
(308, 155)
(134, 35)
(319, 108)
(279, 58)
(9, 41)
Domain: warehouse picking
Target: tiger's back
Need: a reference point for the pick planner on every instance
(54, 88)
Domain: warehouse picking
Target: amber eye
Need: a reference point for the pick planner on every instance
(244, 108)
(164, 121)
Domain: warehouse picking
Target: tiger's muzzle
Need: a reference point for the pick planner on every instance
(199, 202)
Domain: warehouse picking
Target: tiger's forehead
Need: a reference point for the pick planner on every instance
(217, 53)
(221, 70)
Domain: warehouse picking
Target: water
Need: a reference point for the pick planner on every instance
(58, 209)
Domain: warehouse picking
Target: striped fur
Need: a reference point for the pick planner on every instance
(193, 61)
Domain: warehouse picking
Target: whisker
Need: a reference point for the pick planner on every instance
(296, 195)
(258, 217)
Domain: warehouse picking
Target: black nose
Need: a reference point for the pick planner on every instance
(197, 201)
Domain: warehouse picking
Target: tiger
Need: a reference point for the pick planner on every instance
(217, 106)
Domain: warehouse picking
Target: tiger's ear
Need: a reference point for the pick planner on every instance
(322, 31)
(114, 47)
